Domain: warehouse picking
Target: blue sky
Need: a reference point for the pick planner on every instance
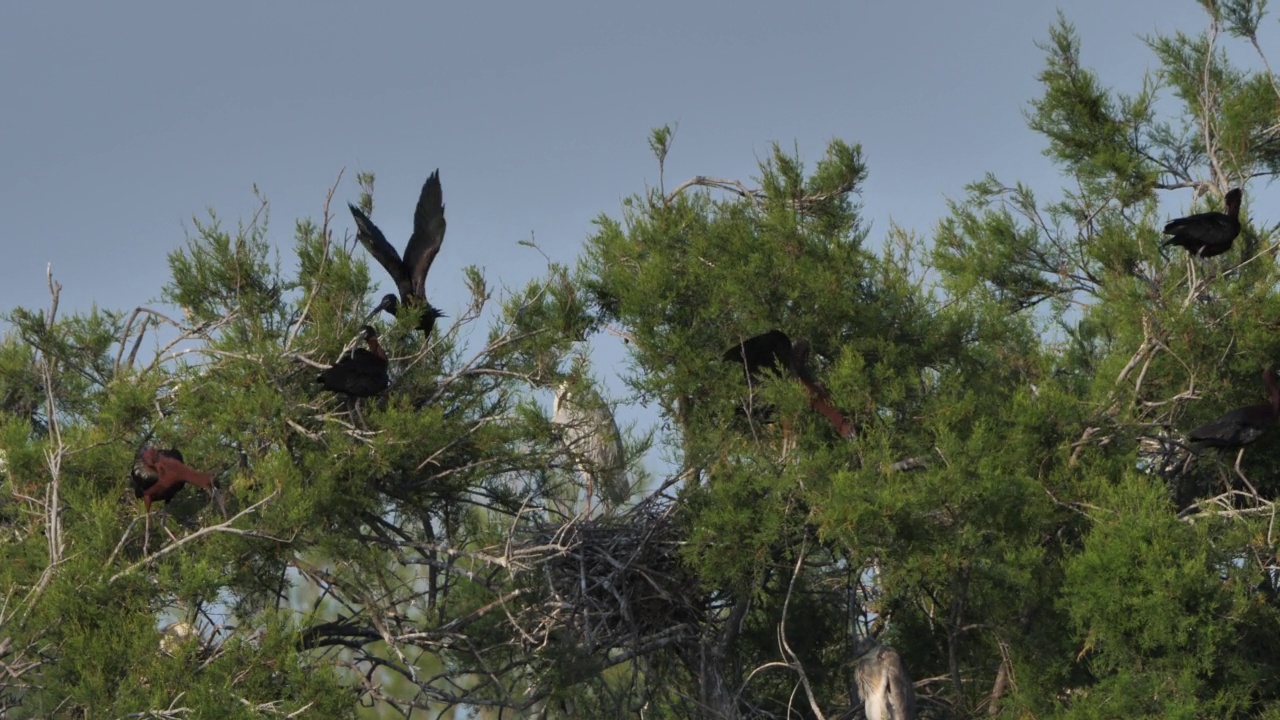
(124, 120)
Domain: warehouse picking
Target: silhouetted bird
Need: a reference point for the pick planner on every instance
(1207, 234)
(774, 350)
(159, 475)
(361, 373)
(409, 272)
(771, 349)
(1240, 427)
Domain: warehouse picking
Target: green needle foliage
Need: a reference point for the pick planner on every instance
(1019, 512)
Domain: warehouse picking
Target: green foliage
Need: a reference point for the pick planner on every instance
(1018, 513)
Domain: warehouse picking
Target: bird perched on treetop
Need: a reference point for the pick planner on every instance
(361, 373)
(1209, 233)
(410, 271)
(591, 436)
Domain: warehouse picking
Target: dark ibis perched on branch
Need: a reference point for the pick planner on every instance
(774, 350)
(1209, 233)
(362, 372)
(410, 271)
(1240, 427)
(159, 475)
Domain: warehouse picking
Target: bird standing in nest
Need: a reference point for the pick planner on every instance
(591, 436)
(361, 373)
(410, 271)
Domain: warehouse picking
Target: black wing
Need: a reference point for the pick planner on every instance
(376, 243)
(770, 349)
(1211, 228)
(1236, 428)
(428, 233)
(361, 374)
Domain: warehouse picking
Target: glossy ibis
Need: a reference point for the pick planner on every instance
(361, 373)
(410, 271)
(884, 687)
(1242, 426)
(159, 475)
(774, 350)
(591, 436)
(1209, 233)
(769, 350)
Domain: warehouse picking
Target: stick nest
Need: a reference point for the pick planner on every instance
(611, 582)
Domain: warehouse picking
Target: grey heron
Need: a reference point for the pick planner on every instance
(590, 434)
(883, 684)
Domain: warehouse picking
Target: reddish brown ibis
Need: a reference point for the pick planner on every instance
(361, 373)
(774, 350)
(159, 475)
(1209, 233)
(1242, 426)
(410, 270)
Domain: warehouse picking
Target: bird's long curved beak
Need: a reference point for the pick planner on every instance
(386, 304)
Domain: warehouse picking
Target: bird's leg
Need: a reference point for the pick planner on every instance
(1252, 489)
(164, 522)
(146, 525)
(788, 438)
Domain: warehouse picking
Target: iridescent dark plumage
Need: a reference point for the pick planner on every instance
(410, 271)
(774, 350)
(1209, 233)
(771, 349)
(1244, 425)
(361, 373)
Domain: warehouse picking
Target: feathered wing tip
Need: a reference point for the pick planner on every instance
(363, 223)
(428, 233)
